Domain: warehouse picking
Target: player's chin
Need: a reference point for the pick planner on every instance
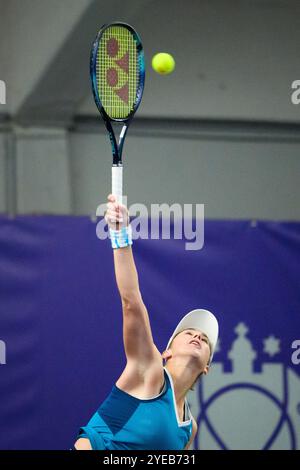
(200, 355)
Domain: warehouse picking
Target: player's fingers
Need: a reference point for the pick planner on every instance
(111, 198)
(110, 219)
(122, 208)
(112, 206)
(112, 215)
(124, 214)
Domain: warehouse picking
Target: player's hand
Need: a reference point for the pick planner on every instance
(116, 215)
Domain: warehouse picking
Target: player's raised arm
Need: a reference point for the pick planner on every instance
(138, 340)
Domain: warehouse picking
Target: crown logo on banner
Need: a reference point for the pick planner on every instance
(245, 409)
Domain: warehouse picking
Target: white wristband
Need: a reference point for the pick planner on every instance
(121, 238)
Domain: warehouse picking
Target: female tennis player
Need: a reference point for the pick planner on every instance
(147, 408)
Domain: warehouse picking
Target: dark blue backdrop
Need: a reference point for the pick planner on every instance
(61, 320)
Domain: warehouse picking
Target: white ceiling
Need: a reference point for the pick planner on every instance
(235, 59)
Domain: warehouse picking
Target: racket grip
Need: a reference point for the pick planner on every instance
(117, 183)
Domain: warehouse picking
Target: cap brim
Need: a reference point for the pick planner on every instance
(202, 320)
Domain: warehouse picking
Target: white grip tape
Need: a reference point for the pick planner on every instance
(117, 182)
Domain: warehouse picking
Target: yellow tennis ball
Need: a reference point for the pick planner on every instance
(163, 63)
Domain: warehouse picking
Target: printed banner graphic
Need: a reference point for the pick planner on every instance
(61, 345)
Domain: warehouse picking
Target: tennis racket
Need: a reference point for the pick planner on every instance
(117, 71)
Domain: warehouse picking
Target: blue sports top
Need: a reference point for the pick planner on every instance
(124, 422)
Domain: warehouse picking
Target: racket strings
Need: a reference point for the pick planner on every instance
(118, 71)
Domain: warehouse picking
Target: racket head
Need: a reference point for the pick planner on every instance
(117, 68)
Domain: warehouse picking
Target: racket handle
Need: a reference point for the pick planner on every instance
(117, 183)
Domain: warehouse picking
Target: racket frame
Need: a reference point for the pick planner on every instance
(117, 148)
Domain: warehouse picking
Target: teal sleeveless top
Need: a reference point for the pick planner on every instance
(124, 422)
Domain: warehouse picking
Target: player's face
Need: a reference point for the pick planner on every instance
(193, 342)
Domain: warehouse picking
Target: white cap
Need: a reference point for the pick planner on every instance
(202, 320)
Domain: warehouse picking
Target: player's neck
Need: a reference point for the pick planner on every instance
(183, 376)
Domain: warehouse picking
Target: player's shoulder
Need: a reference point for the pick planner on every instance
(140, 381)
